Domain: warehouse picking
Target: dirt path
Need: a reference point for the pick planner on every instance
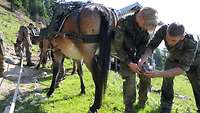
(12, 68)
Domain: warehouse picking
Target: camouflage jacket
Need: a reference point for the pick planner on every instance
(24, 35)
(183, 53)
(130, 40)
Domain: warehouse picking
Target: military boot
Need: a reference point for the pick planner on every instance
(129, 109)
(141, 103)
(30, 64)
(165, 110)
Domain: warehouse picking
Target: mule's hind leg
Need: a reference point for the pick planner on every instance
(92, 66)
(57, 60)
(74, 69)
(80, 74)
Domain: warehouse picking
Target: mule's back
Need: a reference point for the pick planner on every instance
(87, 20)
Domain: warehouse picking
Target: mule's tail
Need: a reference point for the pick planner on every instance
(105, 48)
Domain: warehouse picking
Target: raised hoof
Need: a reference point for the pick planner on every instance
(81, 94)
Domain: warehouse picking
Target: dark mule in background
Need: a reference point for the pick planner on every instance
(45, 53)
(85, 30)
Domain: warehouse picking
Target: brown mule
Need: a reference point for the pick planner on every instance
(83, 32)
(45, 51)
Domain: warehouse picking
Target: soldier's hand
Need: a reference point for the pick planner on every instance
(153, 74)
(134, 67)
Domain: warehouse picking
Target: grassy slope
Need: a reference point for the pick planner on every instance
(9, 24)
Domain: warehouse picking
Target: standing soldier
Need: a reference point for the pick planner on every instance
(131, 38)
(184, 56)
(2, 53)
(24, 41)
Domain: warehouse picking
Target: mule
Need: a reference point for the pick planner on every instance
(45, 53)
(86, 34)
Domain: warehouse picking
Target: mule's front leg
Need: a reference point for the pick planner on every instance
(57, 59)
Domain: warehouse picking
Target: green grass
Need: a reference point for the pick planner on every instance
(66, 98)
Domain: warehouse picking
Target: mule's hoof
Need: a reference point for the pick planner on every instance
(82, 93)
(49, 94)
(57, 86)
(90, 111)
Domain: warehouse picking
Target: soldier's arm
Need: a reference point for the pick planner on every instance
(190, 49)
(153, 44)
(189, 54)
(145, 37)
(118, 40)
(133, 66)
(27, 36)
(167, 73)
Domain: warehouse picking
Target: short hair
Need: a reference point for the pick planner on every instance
(39, 22)
(150, 16)
(176, 29)
(31, 24)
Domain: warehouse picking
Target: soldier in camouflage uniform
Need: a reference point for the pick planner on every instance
(184, 56)
(1, 54)
(130, 40)
(24, 41)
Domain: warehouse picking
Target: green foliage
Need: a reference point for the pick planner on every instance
(37, 9)
(17, 3)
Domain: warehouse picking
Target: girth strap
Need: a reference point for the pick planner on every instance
(83, 38)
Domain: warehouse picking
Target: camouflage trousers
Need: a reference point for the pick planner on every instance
(24, 45)
(129, 87)
(193, 75)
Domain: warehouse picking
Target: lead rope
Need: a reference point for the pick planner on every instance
(12, 108)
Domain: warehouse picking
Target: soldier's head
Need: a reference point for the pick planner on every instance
(39, 25)
(175, 33)
(30, 26)
(147, 18)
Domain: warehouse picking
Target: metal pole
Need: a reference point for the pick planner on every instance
(128, 9)
(12, 108)
(1, 81)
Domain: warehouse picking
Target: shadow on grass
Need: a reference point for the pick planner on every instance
(152, 110)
